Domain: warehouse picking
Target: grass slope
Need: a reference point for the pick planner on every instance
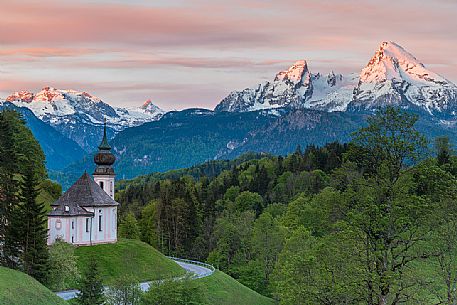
(222, 289)
(126, 257)
(17, 288)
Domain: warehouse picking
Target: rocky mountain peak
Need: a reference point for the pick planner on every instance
(21, 96)
(147, 104)
(393, 76)
(151, 108)
(297, 73)
(391, 61)
(48, 94)
(333, 79)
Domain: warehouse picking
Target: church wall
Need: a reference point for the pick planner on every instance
(108, 234)
(60, 227)
(78, 231)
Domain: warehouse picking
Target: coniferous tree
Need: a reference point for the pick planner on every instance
(9, 189)
(33, 230)
(443, 150)
(129, 227)
(15, 138)
(91, 287)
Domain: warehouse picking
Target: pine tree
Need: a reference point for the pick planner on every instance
(9, 187)
(33, 230)
(443, 150)
(15, 165)
(91, 288)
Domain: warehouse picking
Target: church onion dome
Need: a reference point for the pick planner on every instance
(104, 155)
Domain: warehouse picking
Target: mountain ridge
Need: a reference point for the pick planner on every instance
(392, 76)
(80, 115)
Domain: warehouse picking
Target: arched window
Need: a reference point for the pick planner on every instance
(101, 185)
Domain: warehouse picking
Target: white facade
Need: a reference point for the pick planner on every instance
(85, 230)
(106, 182)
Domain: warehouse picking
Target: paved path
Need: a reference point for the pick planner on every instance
(197, 269)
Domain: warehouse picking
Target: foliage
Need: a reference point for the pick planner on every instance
(33, 230)
(148, 224)
(443, 150)
(369, 222)
(128, 228)
(387, 212)
(172, 292)
(63, 272)
(91, 291)
(22, 217)
(124, 291)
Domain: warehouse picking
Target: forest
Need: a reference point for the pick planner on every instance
(370, 222)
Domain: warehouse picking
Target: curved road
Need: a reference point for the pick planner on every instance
(198, 270)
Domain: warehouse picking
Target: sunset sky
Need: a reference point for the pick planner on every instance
(192, 53)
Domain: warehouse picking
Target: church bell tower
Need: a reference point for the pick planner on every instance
(104, 172)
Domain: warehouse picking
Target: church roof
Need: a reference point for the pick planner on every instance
(71, 211)
(83, 193)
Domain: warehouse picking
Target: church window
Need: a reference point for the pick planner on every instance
(72, 224)
(99, 222)
(87, 224)
(101, 185)
(72, 239)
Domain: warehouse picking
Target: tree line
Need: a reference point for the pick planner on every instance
(369, 222)
(23, 219)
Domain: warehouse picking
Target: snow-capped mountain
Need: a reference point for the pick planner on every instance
(296, 87)
(392, 77)
(80, 115)
(395, 77)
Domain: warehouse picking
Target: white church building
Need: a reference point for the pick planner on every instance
(86, 214)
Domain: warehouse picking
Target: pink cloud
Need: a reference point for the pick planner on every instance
(56, 22)
(110, 48)
(46, 52)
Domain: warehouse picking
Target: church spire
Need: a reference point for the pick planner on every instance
(104, 144)
(104, 158)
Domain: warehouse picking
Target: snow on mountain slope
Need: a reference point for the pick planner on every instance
(394, 76)
(332, 92)
(51, 104)
(76, 114)
(296, 87)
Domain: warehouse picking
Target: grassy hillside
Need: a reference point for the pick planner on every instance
(222, 289)
(17, 288)
(129, 257)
